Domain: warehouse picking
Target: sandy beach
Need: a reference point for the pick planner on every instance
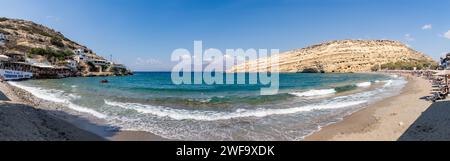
(406, 116)
(403, 117)
(20, 121)
(24, 117)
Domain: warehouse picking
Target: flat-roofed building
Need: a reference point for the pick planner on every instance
(72, 64)
(2, 39)
(80, 55)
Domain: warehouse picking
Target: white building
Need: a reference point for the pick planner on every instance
(72, 64)
(99, 62)
(79, 55)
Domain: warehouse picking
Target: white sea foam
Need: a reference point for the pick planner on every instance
(58, 97)
(49, 95)
(364, 84)
(394, 76)
(388, 83)
(86, 110)
(314, 92)
(181, 114)
(74, 96)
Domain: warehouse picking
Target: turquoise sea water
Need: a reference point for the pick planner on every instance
(149, 101)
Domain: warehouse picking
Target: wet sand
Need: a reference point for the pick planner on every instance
(136, 136)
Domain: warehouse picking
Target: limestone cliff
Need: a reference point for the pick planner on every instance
(341, 56)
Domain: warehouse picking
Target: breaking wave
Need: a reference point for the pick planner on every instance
(364, 84)
(311, 93)
(58, 97)
(181, 114)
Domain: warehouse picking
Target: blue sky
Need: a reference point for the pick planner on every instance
(143, 33)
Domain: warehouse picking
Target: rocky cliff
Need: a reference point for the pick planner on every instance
(43, 44)
(341, 56)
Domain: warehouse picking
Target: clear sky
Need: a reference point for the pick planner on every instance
(143, 33)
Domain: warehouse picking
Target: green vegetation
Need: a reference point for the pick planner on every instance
(7, 26)
(91, 66)
(407, 65)
(3, 19)
(105, 67)
(56, 39)
(57, 42)
(51, 54)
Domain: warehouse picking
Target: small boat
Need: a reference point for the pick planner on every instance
(104, 81)
(12, 75)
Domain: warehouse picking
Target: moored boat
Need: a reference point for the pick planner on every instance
(9, 75)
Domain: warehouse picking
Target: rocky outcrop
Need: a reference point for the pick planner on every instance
(341, 56)
(25, 36)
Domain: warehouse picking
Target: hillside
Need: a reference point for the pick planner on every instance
(344, 56)
(44, 45)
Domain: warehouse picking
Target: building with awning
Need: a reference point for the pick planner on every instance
(43, 65)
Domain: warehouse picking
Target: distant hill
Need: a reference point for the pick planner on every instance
(41, 43)
(344, 56)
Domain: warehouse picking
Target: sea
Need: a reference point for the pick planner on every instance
(151, 102)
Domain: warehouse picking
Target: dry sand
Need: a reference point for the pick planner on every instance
(403, 117)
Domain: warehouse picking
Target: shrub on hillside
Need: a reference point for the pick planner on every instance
(51, 54)
(407, 65)
(57, 42)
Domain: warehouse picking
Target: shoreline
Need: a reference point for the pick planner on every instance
(380, 121)
(385, 120)
(64, 124)
(22, 121)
